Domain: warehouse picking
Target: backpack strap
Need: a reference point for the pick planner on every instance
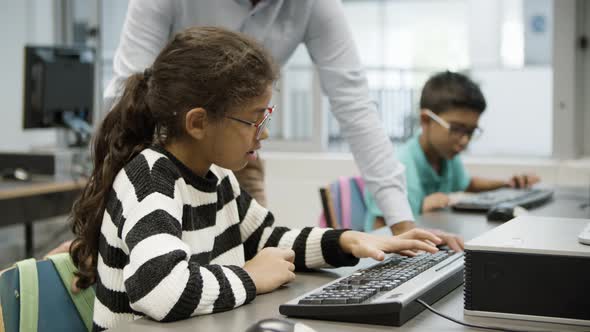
(84, 300)
(335, 204)
(360, 183)
(358, 210)
(371, 210)
(29, 295)
(2, 325)
(344, 185)
(322, 221)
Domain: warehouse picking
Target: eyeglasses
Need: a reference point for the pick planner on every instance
(259, 125)
(456, 131)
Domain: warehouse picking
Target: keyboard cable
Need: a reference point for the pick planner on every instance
(483, 327)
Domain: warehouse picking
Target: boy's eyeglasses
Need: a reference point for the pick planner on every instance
(259, 125)
(456, 131)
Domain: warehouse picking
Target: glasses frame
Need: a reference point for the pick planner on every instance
(474, 134)
(260, 125)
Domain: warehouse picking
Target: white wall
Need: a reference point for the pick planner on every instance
(518, 119)
(567, 119)
(538, 31)
(22, 22)
(113, 17)
(583, 81)
(484, 19)
(293, 179)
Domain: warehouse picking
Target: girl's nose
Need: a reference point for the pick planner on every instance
(264, 134)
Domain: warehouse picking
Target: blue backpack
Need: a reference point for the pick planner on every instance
(36, 296)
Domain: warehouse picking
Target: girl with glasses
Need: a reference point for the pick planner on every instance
(162, 227)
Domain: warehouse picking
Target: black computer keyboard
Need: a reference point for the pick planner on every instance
(484, 201)
(384, 293)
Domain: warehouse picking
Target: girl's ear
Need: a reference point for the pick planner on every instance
(196, 122)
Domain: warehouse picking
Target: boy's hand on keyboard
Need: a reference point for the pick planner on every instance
(523, 180)
(363, 245)
(435, 201)
(271, 268)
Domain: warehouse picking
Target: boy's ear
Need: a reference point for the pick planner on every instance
(195, 122)
(424, 118)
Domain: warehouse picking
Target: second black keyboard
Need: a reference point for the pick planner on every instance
(526, 198)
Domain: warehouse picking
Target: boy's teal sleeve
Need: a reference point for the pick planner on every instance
(372, 212)
(462, 176)
(371, 204)
(408, 154)
(415, 197)
(409, 157)
(415, 190)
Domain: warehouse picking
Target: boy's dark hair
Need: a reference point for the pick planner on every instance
(207, 67)
(447, 90)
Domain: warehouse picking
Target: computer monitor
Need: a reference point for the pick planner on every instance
(59, 89)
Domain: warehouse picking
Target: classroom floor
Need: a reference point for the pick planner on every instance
(47, 235)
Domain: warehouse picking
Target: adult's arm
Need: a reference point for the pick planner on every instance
(332, 49)
(145, 33)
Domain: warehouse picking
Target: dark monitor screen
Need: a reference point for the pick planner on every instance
(58, 85)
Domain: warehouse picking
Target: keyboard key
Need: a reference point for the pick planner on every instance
(308, 300)
(354, 300)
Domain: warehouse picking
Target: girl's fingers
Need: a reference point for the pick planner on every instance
(421, 234)
(418, 245)
(408, 253)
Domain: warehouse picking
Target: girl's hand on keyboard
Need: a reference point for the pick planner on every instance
(271, 268)
(376, 246)
(453, 241)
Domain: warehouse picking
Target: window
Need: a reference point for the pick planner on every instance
(504, 45)
(112, 19)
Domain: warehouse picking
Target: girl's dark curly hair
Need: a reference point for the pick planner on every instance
(206, 67)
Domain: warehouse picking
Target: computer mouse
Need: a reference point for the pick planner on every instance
(16, 174)
(501, 212)
(278, 325)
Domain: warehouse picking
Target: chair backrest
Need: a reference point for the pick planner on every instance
(343, 204)
(36, 296)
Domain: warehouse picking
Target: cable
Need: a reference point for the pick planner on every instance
(483, 327)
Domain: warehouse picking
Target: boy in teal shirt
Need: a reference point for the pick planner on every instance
(450, 107)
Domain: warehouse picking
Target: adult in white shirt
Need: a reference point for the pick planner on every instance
(281, 25)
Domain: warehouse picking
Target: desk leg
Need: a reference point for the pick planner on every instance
(29, 239)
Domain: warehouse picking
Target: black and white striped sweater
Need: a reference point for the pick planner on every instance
(172, 244)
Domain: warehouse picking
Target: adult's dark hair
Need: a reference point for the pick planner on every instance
(207, 67)
(447, 90)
